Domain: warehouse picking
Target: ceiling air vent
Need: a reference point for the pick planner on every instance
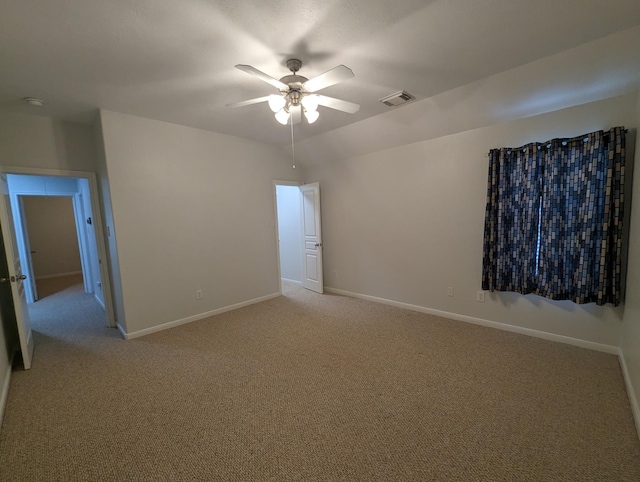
(398, 98)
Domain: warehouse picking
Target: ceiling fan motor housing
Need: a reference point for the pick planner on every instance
(293, 81)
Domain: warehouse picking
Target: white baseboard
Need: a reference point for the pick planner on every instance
(122, 331)
(5, 392)
(635, 408)
(172, 324)
(293, 281)
(614, 350)
(99, 302)
(58, 275)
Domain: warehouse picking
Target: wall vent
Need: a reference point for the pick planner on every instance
(398, 98)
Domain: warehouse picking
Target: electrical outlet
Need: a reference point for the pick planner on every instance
(335, 273)
(450, 291)
(480, 296)
(198, 294)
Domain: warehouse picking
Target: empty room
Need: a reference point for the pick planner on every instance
(358, 240)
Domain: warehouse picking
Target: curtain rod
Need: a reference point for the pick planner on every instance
(626, 131)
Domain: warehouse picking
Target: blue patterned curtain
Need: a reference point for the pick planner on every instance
(511, 220)
(577, 220)
(581, 218)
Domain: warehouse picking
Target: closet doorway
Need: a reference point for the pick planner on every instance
(299, 234)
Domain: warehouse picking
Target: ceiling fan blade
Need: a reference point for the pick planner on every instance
(257, 100)
(262, 76)
(330, 77)
(338, 104)
(296, 114)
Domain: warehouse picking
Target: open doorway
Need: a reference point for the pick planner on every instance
(61, 226)
(83, 187)
(288, 205)
(299, 234)
(54, 224)
(51, 240)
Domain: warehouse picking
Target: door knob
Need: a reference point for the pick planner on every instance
(13, 278)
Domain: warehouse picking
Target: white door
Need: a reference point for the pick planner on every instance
(312, 238)
(16, 278)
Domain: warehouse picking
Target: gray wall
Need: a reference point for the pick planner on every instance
(41, 142)
(406, 223)
(192, 210)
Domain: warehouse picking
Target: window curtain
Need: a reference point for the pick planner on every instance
(578, 219)
(511, 221)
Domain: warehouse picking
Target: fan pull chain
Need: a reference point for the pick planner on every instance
(293, 147)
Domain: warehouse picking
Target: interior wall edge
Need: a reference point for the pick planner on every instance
(107, 222)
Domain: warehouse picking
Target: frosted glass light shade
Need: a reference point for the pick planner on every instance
(276, 102)
(311, 116)
(310, 103)
(282, 116)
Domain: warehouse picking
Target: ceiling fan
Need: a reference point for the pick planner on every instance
(297, 93)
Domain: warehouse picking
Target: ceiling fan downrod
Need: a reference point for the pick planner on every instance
(293, 147)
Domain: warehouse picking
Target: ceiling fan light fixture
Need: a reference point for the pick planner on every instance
(276, 102)
(311, 115)
(310, 103)
(297, 93)
(282, 116)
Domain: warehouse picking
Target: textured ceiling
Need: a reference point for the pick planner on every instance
(174, 60)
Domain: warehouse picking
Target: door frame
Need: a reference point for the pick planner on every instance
(105, 275)
(25, 241)
(83, 244)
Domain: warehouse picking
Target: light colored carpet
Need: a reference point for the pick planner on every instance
(313, 387)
